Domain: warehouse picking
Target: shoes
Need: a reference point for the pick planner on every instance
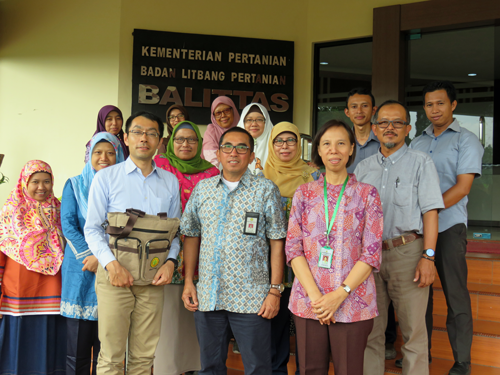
(236, 349)
(390, 352)
(460, 368)
(399, 364)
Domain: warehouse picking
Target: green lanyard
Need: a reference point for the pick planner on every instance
(330, 226)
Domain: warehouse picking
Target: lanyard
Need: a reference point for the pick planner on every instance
(329, 226)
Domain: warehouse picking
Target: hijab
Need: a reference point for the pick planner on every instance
(261, 150)
(196, 164)
(214, 130)
(288, 176)
(30, 231)
(81, 183)
(101, 127)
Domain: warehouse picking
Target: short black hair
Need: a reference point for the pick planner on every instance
(359, 91)
(238, 130)
(441, 85)
(149, 116)
(316, 158)
(389, 102)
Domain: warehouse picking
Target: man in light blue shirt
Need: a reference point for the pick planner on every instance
(457, 154)
(360, 107)
(127, 310)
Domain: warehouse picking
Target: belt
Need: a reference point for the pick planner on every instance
(400, 240)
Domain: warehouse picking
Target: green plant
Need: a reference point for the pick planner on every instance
(3, 179)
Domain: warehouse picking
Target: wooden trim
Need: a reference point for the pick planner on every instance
(388, 57)
(448, 13)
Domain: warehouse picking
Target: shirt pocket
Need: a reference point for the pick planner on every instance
(403, 195)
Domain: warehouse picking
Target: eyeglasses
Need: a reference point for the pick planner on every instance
(226, 111)
(181, 140)
(240, 149)
(397, 124)
(140, 133)
(250, 121)
(180, 116)
(289, 141)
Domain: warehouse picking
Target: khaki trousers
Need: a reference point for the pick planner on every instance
(395, 282)
(133, 313)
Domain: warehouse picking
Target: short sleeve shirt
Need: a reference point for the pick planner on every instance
(370, 148)
(455, 151)
(233, 266)
(408, 185)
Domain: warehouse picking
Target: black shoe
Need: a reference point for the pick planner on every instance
(236, 348)
(460, 368)
(390, 352)
(399, 362)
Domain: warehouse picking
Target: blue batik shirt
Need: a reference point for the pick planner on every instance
(233, 266)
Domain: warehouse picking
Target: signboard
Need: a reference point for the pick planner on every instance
(192, 70)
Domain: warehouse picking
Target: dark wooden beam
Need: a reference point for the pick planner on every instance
(388, 57)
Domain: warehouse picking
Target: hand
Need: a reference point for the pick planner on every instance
(426, 272)
(270, 307)
(325, 307)
(90, 264)
(164, 274)
(118, 275)
(314, 298)
(190, 297)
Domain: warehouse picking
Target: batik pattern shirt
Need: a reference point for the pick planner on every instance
(233, 266)
(356, 235)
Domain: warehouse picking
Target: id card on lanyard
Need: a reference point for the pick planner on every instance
(326, 252)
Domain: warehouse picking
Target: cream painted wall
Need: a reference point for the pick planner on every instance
(58, 66)
(61, 61)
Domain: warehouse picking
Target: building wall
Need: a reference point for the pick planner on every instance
(61, 61)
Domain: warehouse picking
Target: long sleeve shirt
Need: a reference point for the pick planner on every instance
(123, 186)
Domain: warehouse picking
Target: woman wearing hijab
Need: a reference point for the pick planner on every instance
(224, 117)
(109, 119)
(78, 300)
(175, 113)
(32, 331)
(183, 159)
(288, 171)
(256, 120)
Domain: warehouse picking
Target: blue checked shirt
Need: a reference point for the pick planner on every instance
(233, 267)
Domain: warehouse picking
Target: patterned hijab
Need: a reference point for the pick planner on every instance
(196, 164)
(81, 183)
(261, 150)
(288, 176)
(101, 125)
(30, 231)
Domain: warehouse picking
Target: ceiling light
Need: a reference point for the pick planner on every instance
(472, 74)
(323, 63)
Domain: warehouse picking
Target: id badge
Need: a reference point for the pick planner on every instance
(251, 223)
(325, 257)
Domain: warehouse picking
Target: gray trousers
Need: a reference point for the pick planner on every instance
(395, 283)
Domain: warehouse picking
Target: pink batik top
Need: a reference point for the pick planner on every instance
(356, 236)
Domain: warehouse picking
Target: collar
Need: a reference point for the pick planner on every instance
(246, 179)
(131, 167)
(372, 137)
(394, 158)
(454, 126)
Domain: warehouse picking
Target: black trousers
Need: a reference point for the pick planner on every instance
(451, 266)
(391, 333)
(82, 338)
(280, 336)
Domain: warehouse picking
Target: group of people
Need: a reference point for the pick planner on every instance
(264, 236)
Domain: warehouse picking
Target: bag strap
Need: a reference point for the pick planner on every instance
(133, 215)
(162, 215)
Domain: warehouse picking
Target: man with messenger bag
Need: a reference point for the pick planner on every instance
(138, 205)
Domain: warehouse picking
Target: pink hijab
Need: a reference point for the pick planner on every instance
(214, 130)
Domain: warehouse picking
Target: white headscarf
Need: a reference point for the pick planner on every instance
(261, 144)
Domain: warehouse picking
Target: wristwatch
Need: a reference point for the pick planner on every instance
(429, 252)
(280, 287)
(174, 261)
(346, 288)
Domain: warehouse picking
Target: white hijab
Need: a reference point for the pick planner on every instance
(261, 148)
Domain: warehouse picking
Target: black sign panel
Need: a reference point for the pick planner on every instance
(192, 70)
